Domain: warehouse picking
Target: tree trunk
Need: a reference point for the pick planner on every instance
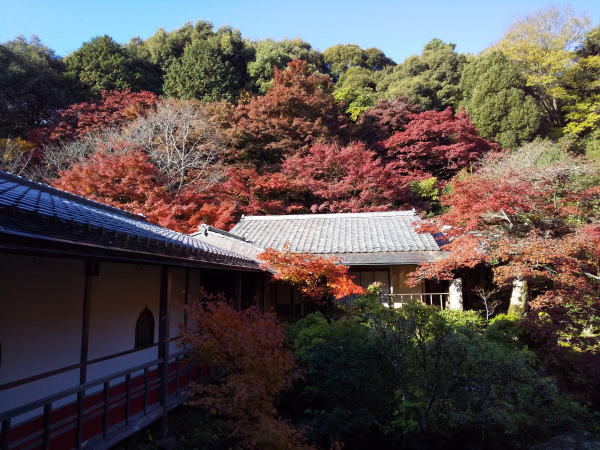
(518, 298)
(455, 299)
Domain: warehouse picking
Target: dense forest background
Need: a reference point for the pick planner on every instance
(196, 125)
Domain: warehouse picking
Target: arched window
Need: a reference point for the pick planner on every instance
(144, 329)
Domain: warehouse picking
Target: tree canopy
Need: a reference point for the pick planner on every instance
(543, 45)
(270, 54)
(102, 64)
(209, 69)
(32, 84)
(430, 79)
(342, 57)
(497, 100)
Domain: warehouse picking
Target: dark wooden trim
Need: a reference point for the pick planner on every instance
(163, 344)
(93, 253)
(79, 419)
(186, 297)
(47, 412)
(105, 408)
(31, 379)
(292, 303)
(237, 290)
(91, 269)
(4, 431)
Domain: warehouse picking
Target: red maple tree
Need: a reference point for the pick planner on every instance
(128, 180)
(436, 143)
(112, 109)
(537, 223)
(346, 179)
(385, 118)
(295, 112)
(317, 277)
(255, 367)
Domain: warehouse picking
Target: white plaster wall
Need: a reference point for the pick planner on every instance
(41, 313)
(41, 305)
(118, 295)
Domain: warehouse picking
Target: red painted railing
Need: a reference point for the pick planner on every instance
(119, 404)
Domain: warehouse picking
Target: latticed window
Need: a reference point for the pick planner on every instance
(144, 329)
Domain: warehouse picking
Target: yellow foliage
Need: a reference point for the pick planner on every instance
(542, 46)
(12, 148)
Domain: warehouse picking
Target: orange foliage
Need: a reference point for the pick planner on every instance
(538, 225)
(113, 109)
(247, 347)
(317, 277)
(297, 111)
(128, 180)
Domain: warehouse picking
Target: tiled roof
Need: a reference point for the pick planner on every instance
(374, 233)
(223, 239)
(36, 210)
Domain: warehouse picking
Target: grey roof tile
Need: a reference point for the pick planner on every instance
(364, 233)
(40, 211)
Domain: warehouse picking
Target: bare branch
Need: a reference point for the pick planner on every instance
(182, 142)
(15, 155)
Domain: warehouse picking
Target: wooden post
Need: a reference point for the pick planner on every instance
(455, 298)
(266, 291)
(163, 346)
(47, 413)
(187, 297)
(91, 269)
(4, 430)
(237, 290)
(105, 408)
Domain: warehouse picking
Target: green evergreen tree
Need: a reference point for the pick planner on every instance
(430, 79)
(102, 64)
(32, 85)
(342, 57)
(164, 46)
(210, 69)
(269, 54)
(356, 89)
(497, 100)
(582, 86)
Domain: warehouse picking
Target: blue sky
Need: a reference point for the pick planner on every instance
(399, 28)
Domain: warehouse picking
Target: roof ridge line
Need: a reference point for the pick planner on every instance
(409, 212)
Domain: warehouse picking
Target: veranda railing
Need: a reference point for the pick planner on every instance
(429, 298)
(142, 384)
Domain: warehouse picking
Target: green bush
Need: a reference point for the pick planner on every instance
(422, 377)
(347, 388)
(505, 328)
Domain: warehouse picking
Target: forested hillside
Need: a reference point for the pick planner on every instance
(201, 125)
